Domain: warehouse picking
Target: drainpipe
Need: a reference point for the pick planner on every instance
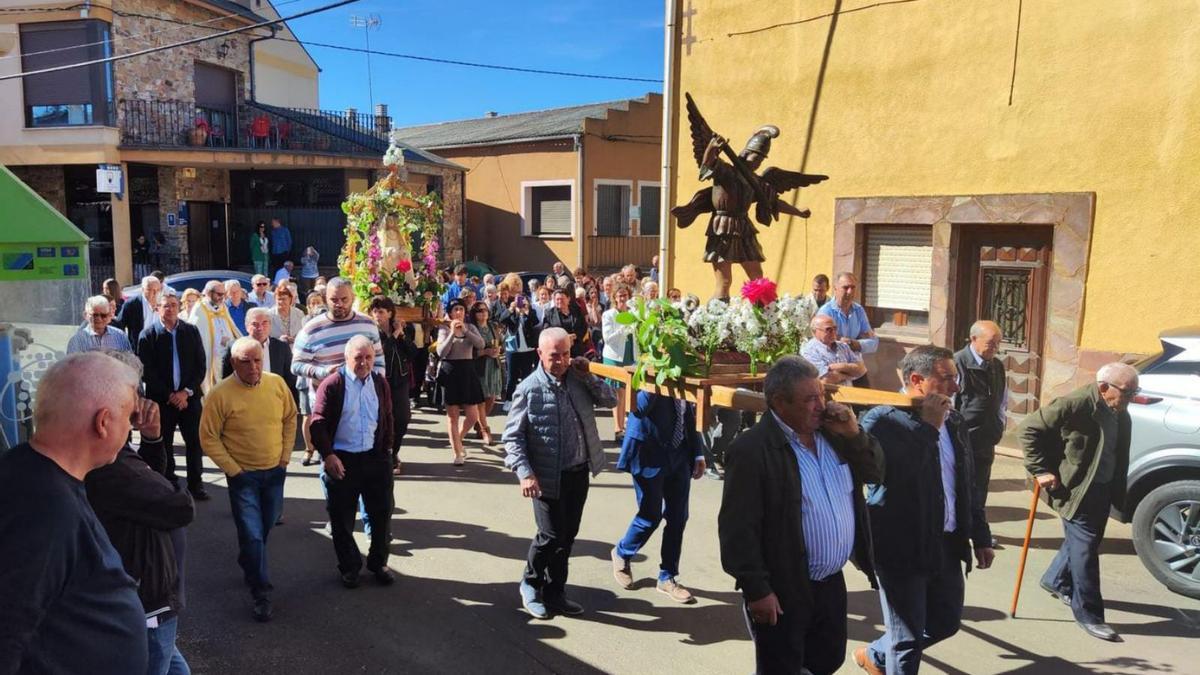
(664, 210)
(580, 193)
(253, 94)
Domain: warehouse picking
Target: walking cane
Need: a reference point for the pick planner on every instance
(1037, 488)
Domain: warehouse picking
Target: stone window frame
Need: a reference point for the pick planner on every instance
(1070, 214)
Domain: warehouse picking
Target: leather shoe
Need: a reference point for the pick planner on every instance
(1065, 598)
(350, 579)
(1101, 630)
(262, 609)
(622, 572)
(863, 660)
(200, 495)
(383, 576)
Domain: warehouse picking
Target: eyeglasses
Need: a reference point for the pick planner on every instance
(261, 284)
(1126, 392)
(98, 315)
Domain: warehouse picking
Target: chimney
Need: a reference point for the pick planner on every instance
(491, 113)
(383, 123)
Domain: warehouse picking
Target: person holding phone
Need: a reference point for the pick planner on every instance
(520, 355)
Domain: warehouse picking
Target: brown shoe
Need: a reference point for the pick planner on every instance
(676, 592)
(864, 661)
(621, 571)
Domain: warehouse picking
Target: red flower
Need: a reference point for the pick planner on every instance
(404, 266)
(761, 292)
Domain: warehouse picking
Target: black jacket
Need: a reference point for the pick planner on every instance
(138, 508)
(281, 364)
(980, 398)
(908, 507)
(512, 323)
(760, 524)
(132, 318)
(398, 355)
(155, 351)
(574, 322)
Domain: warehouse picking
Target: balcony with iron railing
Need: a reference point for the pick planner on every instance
(251, 126)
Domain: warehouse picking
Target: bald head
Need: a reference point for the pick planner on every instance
(82, 409)
(1118, 384)
(985, 338)
(824, 329)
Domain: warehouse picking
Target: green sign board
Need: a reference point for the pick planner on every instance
(41, 262)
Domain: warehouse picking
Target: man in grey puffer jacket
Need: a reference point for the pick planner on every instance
(552, 443)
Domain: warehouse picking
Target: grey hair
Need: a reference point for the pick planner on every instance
(232, 284)
(213, 283)
(128, 358)
(978, 327)
(783, 376)
(242, 345)
(256, 277)
(96, 302)
(336, 283)
(845, 275)
(1116, 371)
(357, 342)
(552, 335)
(257, 311)
(922, 359)
(146, 280)
(78, 386)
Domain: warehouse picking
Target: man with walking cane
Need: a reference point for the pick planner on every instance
(1077, 449)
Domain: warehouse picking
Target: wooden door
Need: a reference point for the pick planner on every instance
(1003, 277)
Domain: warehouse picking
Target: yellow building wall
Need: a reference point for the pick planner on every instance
(913, 99)
(493, 196)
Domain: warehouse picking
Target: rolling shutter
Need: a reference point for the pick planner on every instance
(612, 210)
(648, 210)
(899, 265)
(552, 209)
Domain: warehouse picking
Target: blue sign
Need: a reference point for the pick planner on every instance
(70, 270)
(45, 251)
(69, 251)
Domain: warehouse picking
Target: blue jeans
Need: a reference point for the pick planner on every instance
(165, 658)
(919, 610)
(1075, 571)
(256, 498)
(661, 496)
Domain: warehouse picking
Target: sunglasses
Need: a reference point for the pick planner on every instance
(1126, 392)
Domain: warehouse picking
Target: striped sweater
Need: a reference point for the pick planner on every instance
(320, 346)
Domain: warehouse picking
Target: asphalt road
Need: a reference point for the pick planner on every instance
(460, 540)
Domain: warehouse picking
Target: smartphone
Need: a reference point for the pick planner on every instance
(520, 302)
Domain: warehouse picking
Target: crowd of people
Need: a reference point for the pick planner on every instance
(92, 524)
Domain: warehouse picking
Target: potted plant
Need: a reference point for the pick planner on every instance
(199, 133)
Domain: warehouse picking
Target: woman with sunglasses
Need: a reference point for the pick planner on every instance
(260, 248)
(456, 345)
(487, 364)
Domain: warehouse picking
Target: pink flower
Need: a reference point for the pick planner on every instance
(760, 292)
(404, 266)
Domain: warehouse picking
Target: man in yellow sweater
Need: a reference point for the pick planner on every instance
(247, 428)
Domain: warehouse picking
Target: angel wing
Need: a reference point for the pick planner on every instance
(702, 134)
(783, 180)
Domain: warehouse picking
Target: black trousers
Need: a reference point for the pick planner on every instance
(814, 640)
(557, 523)
(1075, 570)
(368, 475)
(188, 423)
(401, 416)
(984, 458)
(519, 366)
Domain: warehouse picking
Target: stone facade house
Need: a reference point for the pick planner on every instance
(208, 138)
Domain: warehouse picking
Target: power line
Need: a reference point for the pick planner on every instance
(136, 36)
(143, 52)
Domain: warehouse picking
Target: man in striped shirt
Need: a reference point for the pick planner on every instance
(95, 334)
(791, 516)
(320, 345)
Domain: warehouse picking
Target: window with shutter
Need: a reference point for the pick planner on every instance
(612, 210)
(77, 96)
(648, 206)
(551, 210)
(897, 274)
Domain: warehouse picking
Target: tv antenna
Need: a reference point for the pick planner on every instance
(368, 23)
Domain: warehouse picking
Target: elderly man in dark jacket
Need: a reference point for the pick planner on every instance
(1077, 449)
(551, 443)
(143, 514)
(352, 429)
(925, 515)
(791, 516)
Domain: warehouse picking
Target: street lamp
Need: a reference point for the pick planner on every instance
(367, 23)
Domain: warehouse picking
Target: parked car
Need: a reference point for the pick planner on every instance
(478, 268)
(1163, 499)
(195, 279)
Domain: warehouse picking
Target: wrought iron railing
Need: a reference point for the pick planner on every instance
(248, 126)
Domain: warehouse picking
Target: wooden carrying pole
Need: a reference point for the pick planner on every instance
(1033, 504)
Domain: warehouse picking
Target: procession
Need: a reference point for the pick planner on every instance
(294, 412)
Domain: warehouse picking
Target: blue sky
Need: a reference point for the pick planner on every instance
(613, 37)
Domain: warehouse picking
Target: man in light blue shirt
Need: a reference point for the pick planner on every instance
(95, 334)
(281, 243)
(352, 428)
(853, 327)
(836, 362)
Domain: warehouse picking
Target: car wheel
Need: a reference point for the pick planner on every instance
(1166, 534)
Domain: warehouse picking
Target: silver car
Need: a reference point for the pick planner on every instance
(1163, 498)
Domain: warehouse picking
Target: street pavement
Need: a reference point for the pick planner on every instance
(461, 534)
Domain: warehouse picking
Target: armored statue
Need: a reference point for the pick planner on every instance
(731, 237)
